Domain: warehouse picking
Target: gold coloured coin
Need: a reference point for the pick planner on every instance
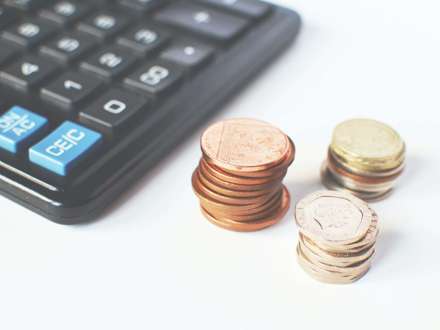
(368, 144)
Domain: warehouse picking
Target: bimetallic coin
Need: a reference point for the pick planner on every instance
(333, 217)
(367, 143)
(244, 145)
(331, 183)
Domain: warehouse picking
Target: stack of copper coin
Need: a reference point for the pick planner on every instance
(338, 234)
(365, 158)
(239, 178)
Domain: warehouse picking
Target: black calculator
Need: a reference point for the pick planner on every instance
(93, 93)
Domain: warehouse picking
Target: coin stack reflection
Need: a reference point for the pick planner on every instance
(337, 237)
(365, 158)
(239, 178)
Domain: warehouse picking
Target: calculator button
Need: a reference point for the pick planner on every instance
(70, 89)
(111, 113)
(7, 16)
(29, 32)
(64, 148)
(65, 12)
(201, 20)
(142, 6)
(144, 39)
(156, 78)
(69, 47)
(6, 52)
(110, 62)
(27, 73)
(17, 127)
(189, 54)
(26, 5)
(251, 8)
(104, 24)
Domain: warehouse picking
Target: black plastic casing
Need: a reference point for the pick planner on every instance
(97, 183)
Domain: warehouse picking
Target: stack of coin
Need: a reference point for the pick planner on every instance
(365, 158)
(239, 178)
(337, 238)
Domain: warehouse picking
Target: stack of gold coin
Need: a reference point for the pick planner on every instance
(337, 237)
(239, 178)
(365, 158)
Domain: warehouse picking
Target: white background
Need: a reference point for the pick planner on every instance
(154, 263)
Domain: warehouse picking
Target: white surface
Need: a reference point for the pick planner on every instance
(155, 263)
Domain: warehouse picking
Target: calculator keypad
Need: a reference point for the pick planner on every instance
(101, 66)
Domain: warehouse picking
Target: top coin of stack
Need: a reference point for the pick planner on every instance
(239, 178)
(365, 158)
(337, 238)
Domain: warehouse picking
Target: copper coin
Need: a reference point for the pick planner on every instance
(336, 167)
(255, 225)
(360, 186)
(270, 171)
(244, 145)
(205, 199)
(230, 192)
(237, 210)
(230, 200)
(234, 182)
(264, 214)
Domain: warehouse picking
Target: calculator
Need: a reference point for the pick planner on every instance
(94, 93)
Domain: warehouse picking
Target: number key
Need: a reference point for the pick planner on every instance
(65, 12)
(69, 46)
(29, 32)
(155, 78)
(70, 89)
(104, 24)
(110, 62)
(111, 113)
(27, 73)
(144, 39)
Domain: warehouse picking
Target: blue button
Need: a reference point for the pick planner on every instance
(64, 148)
(18, 126)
